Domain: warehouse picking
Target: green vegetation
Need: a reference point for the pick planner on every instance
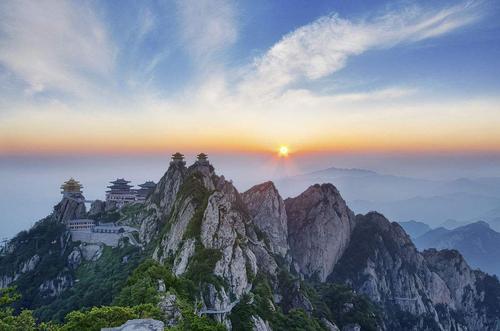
(48, 241)
(341, 305)
(96, 283)
(202, 264)
(260, 303)
(141, 288)
(193, 188)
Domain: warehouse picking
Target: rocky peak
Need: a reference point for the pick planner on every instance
(165, 192)
(319, 229)
(452, 268)
(437, 288)
(69, 209)
(268, 212)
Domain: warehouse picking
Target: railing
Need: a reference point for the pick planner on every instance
(220, 311)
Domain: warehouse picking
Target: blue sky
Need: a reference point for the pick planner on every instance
(265, 72)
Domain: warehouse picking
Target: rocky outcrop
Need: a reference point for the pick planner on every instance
(267, 209)
(160, 202)
(319, 229)
(54, 287)
(169, 306)
(69, 209)
(31, 264)
(147, 324)
(330, 326)
(221, 226)
(97, 207)
(91, 252)
(165, 193)
(259, 324)
(382, 263)
(75, 258)
(472, 292)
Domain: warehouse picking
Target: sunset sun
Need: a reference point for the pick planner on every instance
(283, 151)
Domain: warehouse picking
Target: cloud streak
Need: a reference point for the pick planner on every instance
(207, 26)
(323, 47)
(54, 45)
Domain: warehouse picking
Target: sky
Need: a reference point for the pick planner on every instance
(125, 77)
(102, 89)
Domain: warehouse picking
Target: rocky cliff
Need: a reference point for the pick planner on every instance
(252, 261)
(268, 213)
(319, 229)
(477, 242)
(434, 290)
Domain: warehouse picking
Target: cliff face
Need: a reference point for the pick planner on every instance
(207, 236)
(268, 213)
(255, 260)
(69, 209)
(319, 229)
(434, 289)
(161, 201)
(477, 242)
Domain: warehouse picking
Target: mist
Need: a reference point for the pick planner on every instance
(30, 184)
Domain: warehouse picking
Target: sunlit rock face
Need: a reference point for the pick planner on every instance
(268, 213)
(163, 197)
(207, 217)
(319, 229)
(161, 201)
(69, 209)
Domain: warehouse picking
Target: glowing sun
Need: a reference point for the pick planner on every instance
(283, 151)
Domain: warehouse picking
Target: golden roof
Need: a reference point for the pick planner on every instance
(177, 156)
(72, 185)
(202, 156)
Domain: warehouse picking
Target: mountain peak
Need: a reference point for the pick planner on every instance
(268, 212)
(314, 218)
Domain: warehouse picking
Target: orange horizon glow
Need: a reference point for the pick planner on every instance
(221, 147)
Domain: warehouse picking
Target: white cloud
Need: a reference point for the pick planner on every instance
(323, 46)
(207, 26)
(54, 45)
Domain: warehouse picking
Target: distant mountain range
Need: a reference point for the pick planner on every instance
(415, 229)
(477, 242)
(405, 198)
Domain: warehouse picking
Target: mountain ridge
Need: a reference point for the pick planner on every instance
(253, 261)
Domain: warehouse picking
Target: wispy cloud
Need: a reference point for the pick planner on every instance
(207, 26)
(54, 45)
(323, 46)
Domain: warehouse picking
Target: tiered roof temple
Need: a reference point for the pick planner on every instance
(120, 192)
(119, 185)
(178, 158)
(71, 188)
(202, 159)
(144, 190)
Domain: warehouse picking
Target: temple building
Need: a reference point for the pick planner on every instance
(120, 192)
(178, 158)
(144, 191)
(202, 159)
(81, 225)
(72, 189)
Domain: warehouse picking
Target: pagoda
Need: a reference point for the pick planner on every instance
(145, 190)
(178, 158)
(120, 192)
(202, 159)
(72, 189)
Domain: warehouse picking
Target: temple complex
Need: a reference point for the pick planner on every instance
(144, 190)
(120, 192)
(178, 158)
(72, 189)
(202, 159)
